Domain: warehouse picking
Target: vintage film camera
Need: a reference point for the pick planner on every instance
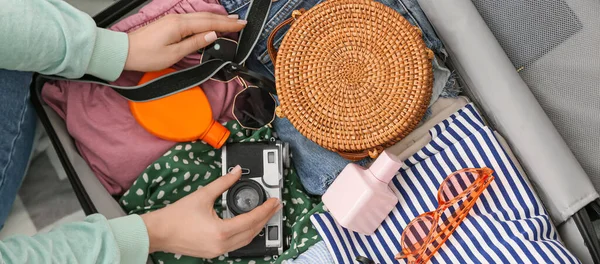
(262, 178)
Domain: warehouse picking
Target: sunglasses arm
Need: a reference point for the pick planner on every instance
(410, 258)
(445, 229)
(253, 77)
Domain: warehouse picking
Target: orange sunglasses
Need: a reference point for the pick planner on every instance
(424, 235)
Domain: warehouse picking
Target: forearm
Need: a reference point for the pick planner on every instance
(52, 37)
(96, 240)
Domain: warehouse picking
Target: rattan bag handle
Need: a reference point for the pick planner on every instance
(271, 47)
(270, 41)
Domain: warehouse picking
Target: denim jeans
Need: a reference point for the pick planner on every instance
(17, 129)
(316, 166)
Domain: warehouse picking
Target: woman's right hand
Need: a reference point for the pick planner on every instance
(191, 226)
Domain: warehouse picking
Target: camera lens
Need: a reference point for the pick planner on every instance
(246, 199)
(244, 196)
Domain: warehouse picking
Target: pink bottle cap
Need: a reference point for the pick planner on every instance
(385, 167)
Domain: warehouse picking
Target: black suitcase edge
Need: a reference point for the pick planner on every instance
(116, 11)
(86, 203)
(103, 19)
(583, 219)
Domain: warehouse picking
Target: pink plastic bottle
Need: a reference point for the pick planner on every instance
(359, 199)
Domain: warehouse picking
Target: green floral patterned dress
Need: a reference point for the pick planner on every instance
(188, 167)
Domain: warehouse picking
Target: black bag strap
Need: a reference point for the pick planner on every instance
(196, 75)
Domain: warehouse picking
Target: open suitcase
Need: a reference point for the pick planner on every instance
(480, 52)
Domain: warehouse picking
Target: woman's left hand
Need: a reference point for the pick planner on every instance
(167, 40)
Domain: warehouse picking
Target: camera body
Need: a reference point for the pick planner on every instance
(262, 178)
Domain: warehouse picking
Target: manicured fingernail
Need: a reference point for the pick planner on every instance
(235, 16)
(277, 204)
(242, 21)
(210, 37)
(237, 169)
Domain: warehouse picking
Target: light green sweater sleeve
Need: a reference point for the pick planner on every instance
(52, 37)
(95, 240)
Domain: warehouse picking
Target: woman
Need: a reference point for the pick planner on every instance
(51, 37)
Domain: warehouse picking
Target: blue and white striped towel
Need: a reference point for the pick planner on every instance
(508, 224)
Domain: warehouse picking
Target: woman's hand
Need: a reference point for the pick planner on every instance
(191, 226)
(167, 40)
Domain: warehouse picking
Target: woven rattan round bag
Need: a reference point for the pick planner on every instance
(353, 76)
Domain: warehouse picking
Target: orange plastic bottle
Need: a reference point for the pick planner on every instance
(184, 116)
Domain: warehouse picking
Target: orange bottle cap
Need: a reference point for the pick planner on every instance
(217, 135)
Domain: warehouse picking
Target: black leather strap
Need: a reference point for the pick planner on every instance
(257, 18)
(196, 75)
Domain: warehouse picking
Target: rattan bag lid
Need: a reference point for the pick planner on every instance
(353, 76)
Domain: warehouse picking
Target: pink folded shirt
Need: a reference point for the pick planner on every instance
(106, 134)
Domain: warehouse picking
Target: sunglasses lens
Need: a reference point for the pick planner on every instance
(415, 235)
(254, 108)
(457, 183)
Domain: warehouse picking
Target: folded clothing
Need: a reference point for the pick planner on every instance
(317, 166)
(315, 254)
(418, 138)
(188, 166)
(107, 136)
(508, 223)
(319, 252)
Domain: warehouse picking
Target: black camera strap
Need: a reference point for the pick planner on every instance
(196, 75)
